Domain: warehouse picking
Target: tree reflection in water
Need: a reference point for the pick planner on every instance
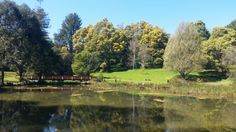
(115, 111)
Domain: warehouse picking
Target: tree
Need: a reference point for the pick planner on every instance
(214, 48)
(229, 57)
(82, 37)
(43, 19)
(151, 38)
(133, 54)
(183, 50)
(229, 60)
(154, 40)
(135, 32)
(120, 54)
(70, 25)
(14, 33)
(144, 56)
(66, 60)
(2, 62)
(85, 63)
(110, 43)
(232, 25)
(24, 44)
(201, 28)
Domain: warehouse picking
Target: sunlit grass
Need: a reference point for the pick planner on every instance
(158, 76)
(11, 77)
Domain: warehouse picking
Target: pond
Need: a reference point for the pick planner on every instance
(112, 112)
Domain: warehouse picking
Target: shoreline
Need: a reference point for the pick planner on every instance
(198, 90)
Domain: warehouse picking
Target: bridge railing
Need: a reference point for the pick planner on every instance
(60, 78)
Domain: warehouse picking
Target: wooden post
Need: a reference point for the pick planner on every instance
(2, 78)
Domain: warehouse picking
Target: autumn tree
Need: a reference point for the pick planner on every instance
(183, 50)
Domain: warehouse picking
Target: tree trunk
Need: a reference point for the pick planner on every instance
(183, 75)
(134, 58)
(21, 76)
(2, 78)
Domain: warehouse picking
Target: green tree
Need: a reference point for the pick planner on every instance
(151, 43)
(9, 16)
(82, 37)
(133, 52)
(85, 63)
(66, 60)
(183, 50)
(214, 48)
(44, 20)
(70, 25)
(41, 60)
(120, 40)
(14, 31)
(24, 44)
(110, 43)
(229, 60)
(155, 40)
(232, 25)
(201, 28)
(229, 57)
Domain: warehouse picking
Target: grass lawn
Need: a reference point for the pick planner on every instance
(158, 76)
(11, 77)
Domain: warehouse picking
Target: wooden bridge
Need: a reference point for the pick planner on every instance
(61, 78)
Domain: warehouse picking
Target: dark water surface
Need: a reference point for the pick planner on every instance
(81, 111)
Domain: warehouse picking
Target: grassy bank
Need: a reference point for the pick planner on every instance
(199, 90)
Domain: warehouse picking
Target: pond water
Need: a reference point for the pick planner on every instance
(82, 111)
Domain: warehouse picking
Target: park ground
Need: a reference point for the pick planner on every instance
(159, 82)
(152, 76)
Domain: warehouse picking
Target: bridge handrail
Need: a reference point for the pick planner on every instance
(64, 77)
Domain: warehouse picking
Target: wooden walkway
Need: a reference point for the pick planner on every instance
(61, 78)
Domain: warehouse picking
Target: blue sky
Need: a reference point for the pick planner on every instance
(166, 14)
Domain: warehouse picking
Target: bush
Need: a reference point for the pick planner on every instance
(100, 78)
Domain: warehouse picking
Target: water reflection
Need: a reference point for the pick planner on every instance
(112, 112)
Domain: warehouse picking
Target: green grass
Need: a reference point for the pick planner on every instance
(158, 76)
(11, 77)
